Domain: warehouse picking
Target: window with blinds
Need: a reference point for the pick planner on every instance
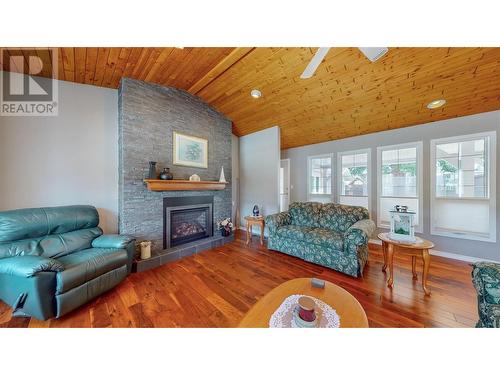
(399, 176)
(354, 178)
(320, 178)
(462, 188)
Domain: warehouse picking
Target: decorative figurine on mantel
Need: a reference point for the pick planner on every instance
(222, 178)
(402, 225)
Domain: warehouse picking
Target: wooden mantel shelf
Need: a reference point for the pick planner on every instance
(164, 185)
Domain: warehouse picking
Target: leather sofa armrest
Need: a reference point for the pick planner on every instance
(277, 220)
(118, 241)
(358, 234)
(114, 241)
(29, 265)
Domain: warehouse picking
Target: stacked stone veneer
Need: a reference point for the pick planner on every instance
(148, 116)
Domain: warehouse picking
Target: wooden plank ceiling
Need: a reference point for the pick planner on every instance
(347, 96)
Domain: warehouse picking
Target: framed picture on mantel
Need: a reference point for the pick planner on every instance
(190, 151)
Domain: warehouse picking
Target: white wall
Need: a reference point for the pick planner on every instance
(71, 158)
(235, 174)
(259, 172)
(440, 129)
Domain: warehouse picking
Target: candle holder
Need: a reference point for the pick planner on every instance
(145, 250)
(305, 315)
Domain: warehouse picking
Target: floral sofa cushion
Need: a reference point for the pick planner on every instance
(305, 214)
(340, 217)
(294, 232)
(326, 238)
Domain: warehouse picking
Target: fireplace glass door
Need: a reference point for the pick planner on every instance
(188, 225)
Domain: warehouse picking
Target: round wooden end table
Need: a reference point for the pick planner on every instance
(348, 308)
(255, 220)
(420, 248)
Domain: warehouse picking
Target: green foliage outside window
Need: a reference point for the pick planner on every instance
(357, 171)
(406, 168)
(446, 166)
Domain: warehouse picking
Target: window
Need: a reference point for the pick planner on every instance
(463, 187)
(354, 178)
(399, 181)
(320, 178)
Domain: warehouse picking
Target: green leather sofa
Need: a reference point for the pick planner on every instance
(486, 280)
(55, 259)
(333, 235)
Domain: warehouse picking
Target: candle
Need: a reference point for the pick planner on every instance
(145, 249)
(306, 309)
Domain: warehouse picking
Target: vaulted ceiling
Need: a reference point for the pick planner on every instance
(347, 96)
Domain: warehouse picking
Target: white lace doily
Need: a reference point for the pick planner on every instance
(283, 316)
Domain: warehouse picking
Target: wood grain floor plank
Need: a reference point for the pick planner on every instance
(217, 287)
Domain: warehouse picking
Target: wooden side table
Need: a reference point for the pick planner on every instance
(413, 249)
(255, 220)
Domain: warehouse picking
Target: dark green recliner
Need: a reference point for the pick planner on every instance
(55, 259)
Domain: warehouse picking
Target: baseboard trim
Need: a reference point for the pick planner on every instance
(464, 258)
(444, 254)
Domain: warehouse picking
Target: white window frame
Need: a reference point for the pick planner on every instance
(310, 197)
(490, 165)
(367, 151)
(419, 146)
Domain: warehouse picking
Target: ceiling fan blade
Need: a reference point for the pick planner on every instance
(373, 53)
(314, 63)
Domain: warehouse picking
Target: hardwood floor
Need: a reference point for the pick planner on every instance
(217, 287)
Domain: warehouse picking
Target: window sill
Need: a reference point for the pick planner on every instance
(463, 236)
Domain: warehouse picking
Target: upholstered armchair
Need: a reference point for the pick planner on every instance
(486, 280)
(53, 260)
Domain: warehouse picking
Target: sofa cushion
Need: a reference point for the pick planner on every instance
(339, 217)
(87, 264)
(306, 214)
(38, 222)
(326, 238)
(294, 232)
(51, 246)
(63, 244)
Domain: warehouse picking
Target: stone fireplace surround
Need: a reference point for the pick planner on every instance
(148, 115)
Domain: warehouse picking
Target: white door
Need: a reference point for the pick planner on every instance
(284, 184)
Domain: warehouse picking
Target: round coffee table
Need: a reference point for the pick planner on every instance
(421, 247)
(348, 308)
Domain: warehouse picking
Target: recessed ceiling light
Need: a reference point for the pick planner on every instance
(256, 94)
(436, 104)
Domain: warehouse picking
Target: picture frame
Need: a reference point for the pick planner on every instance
(190, 151)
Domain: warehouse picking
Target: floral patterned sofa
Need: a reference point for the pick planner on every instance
(333, 235)
(486, 280)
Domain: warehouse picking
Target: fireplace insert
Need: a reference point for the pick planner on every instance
(186, 219)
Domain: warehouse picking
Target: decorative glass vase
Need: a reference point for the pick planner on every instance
(152, 170)
(166, 175)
